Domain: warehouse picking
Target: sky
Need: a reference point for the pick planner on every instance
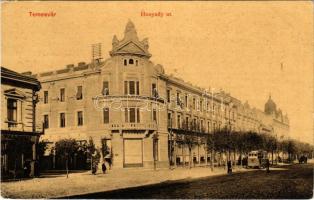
(249, 49)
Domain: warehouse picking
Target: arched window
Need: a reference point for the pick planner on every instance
(136, 62)
(131, 62)
(125, 62)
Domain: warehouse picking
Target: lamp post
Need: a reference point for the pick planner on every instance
(170, 143)
(212, 146)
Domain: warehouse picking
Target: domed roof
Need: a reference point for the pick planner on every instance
(270, 106)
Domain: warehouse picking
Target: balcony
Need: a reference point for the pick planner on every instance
(127, 98)
(14, 126)
(133, 126)
(21, 127)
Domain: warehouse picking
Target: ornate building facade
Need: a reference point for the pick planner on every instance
(129, 104)
(19, 132)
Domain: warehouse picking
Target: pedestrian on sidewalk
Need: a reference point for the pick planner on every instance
(103, 167)
(229, 167)
(267, 165)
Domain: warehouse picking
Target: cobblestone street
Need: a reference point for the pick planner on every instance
(295, 181)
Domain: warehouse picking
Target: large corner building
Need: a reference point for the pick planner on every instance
(130, 105)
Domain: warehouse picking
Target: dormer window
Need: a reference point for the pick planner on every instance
(131, 62)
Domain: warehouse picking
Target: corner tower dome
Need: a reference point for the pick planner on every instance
(130, 44)
(270, 106)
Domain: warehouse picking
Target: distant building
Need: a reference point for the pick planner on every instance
(128, 104)
(19, 133)
(280, 122)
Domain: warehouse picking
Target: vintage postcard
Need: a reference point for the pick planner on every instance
(157, 100)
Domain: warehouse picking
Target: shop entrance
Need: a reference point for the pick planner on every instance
(133, 153)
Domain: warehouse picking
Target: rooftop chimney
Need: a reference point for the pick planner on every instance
(70, 66)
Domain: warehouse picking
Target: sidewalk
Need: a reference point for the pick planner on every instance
(83, 183)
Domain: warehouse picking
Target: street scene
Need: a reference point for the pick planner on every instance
(282, 183)
(171, 101)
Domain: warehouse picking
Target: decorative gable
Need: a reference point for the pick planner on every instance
(15, 93)
(131, 48)
(130, 44)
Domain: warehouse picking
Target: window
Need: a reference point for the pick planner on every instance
(131, 87)
(154, 90)
(12, 111)
(137, 88)
(138, 115)
(168, 96)
(46, 121)
(208, 126)
(136, 62)
(186, 122)
(194, 104)
(178, 99)
(79, 94)
(132, 115)
(154, 115)
(201, 105)
(169, 120)
(186, 101)
(198, 104)
(106, 115)
(201, 128)
(45, 97)
(155, 149)
(125, 62)
(62, 94)
(80, 118)
(179, 121)
(105, 88)
(131, 62)
(62, 120)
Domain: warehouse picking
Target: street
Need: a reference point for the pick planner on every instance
(289, 181)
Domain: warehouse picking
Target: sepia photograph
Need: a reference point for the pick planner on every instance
(157, 99)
